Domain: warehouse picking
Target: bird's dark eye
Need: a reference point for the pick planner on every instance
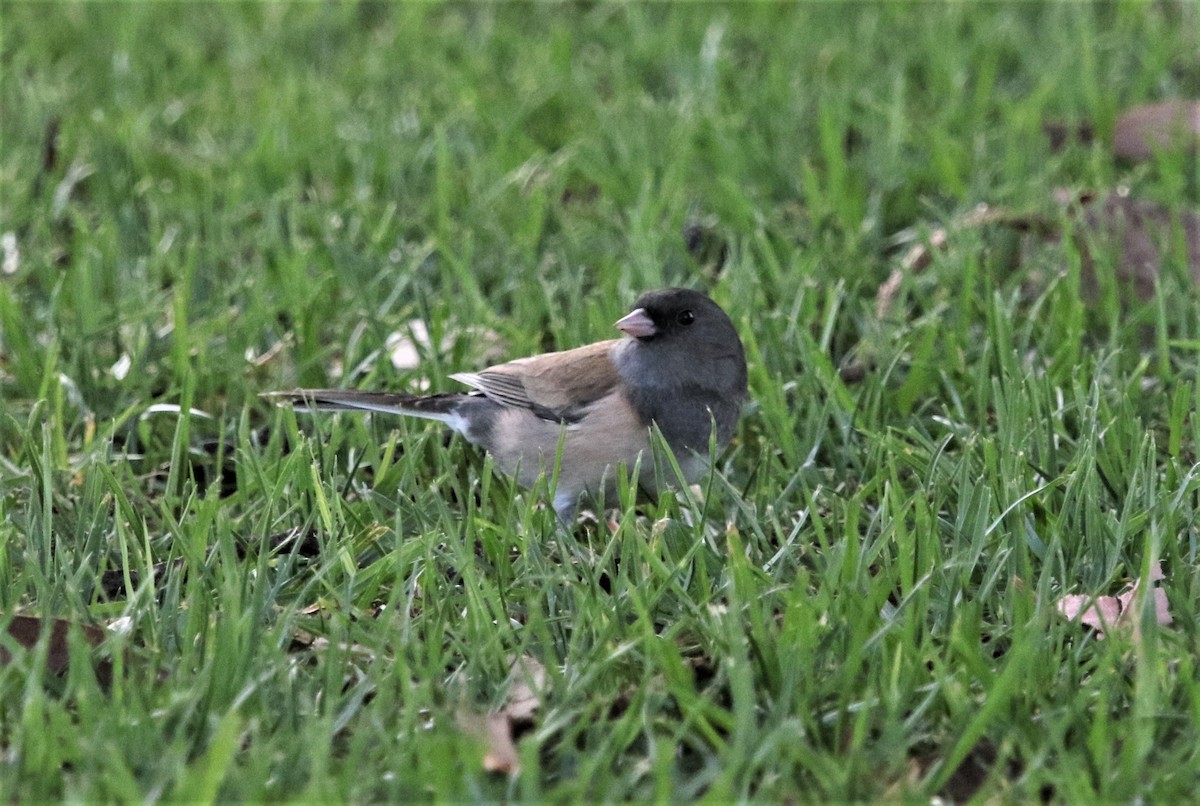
(685, 317)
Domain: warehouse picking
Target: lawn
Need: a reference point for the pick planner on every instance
(203, 202)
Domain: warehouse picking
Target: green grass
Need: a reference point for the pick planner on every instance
(861, 603)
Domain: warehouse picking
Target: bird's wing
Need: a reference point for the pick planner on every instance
(555, 386)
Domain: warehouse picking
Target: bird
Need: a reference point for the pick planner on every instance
(679, 366)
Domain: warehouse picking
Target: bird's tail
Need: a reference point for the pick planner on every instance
(432, 407)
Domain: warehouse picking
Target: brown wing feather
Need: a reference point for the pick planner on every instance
(552, 382)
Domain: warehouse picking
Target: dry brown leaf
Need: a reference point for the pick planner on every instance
(502, 751)
(28, 630)
(526, 679)
(1141, 131)
(1118, 613)
(1141, 230)
(494, 730)
(1162, 607)
(1099, 612)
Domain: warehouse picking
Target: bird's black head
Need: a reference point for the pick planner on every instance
(669, 313)
(684, 366)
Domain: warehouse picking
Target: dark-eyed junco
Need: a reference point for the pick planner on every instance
(680, 366)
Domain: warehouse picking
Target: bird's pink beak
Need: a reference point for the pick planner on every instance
(637, 324)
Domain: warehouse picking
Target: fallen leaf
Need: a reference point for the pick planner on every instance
(1130, 603)
(1143, 130)
(1118, 613)
(27, 631)
(1162, 609)
(527, 679)
(1138, 232)
(497, 729)
(1098, 612)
